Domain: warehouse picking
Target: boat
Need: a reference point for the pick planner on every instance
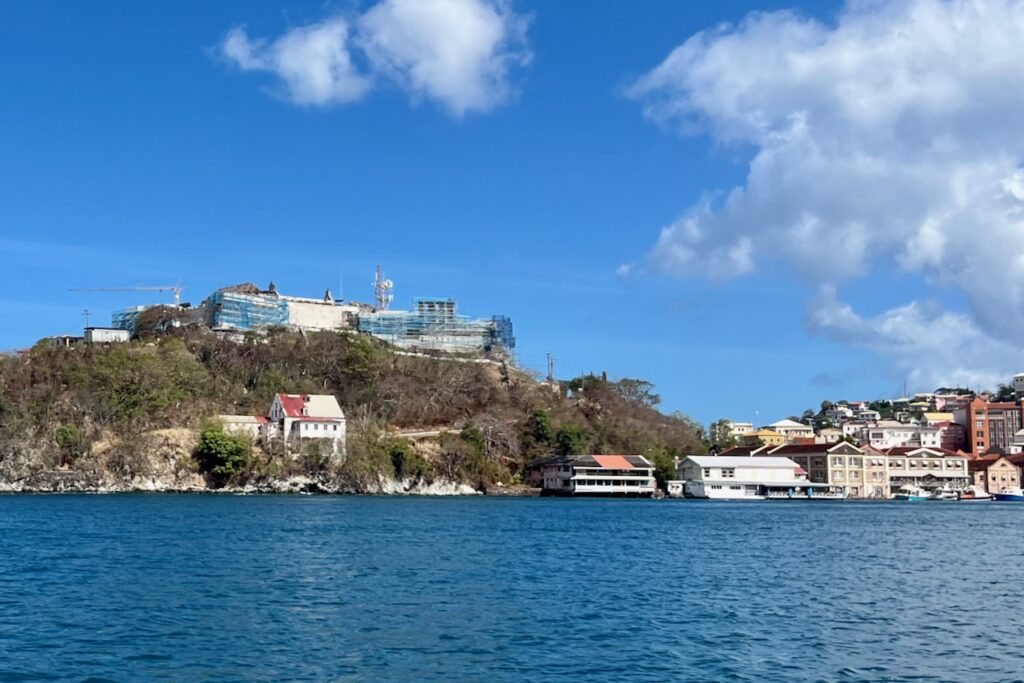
(975, 493)
(945, 493)
(1014, 495)
(913, 494)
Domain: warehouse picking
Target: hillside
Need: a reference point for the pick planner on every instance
(129, 416)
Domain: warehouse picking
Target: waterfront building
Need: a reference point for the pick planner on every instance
(842, 466)
(926, 468)
(767, 437)
(996, 473)
(741, 477)
(594, 475)
(744, 451)
(1018, 384)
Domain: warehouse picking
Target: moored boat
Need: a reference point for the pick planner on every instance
(1014, 495)
(912, 494)
(974, 493)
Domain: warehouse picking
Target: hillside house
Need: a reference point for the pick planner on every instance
(294, 417)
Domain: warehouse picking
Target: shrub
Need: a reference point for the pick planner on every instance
(221, 455)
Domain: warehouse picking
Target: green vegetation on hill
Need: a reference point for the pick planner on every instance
(64, 407)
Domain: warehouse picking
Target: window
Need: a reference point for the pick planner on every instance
(979, 423)
(728, 472)
(706, 472)
(979, 434)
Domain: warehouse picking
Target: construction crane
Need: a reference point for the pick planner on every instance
(163, 288)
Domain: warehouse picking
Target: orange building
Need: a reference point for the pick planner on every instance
(991, 425)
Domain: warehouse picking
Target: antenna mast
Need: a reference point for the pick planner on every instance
(382, 291)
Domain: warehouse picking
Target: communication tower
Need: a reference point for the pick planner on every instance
(382, 290)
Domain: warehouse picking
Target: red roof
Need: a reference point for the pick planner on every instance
(292, 404)
(614, 462)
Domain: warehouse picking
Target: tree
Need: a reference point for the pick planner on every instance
(572, 440)
(826, 405)
(637, 391)
(222, 455)
(71, 442)
(1005, 394)
(720, 434)
(541, 430)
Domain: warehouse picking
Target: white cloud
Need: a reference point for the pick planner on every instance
(313, 62)
(929, 346)
(458, 53)
(889, 138)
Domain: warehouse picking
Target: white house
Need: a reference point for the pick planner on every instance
(740, 429)
(308, 416)
(892, 434)
(595, 475)
(791, 429)
(742, 478)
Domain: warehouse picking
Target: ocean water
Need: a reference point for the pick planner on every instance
(275, 588)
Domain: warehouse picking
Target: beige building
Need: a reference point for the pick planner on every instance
(927, 468)
(842, 466)
(792, 429)
(995, 473)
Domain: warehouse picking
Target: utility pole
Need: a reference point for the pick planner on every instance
(85, 314)
(551, 368)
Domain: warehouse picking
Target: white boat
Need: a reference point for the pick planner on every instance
(945, 493)
(912, 493)
(974, 493)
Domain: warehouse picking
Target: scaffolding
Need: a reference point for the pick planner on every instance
(228, 310)
(435, 325)
(127, 318)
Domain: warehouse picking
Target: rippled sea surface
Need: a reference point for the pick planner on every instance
(220, 588)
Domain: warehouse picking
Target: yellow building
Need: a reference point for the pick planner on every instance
(766, 436)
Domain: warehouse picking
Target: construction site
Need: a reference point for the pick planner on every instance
(432, 325)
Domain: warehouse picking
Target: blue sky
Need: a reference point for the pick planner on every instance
(136, 152)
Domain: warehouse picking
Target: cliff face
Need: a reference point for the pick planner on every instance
(127, 417)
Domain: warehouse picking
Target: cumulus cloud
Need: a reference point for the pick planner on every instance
(313, 62)
(930, 346)
(886, 139)
(458, 53)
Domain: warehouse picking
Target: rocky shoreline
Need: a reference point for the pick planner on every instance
(58, 481)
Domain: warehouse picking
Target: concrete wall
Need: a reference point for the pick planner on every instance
(102, 335)
(318, 315)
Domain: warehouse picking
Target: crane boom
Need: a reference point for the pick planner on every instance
(161, 288)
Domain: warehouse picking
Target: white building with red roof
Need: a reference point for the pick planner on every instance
(308, 416)
(595, 475)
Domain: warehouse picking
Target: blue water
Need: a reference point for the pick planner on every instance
(220, 588)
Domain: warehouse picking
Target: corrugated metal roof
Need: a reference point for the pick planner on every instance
(740, 461)
(615, 462)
